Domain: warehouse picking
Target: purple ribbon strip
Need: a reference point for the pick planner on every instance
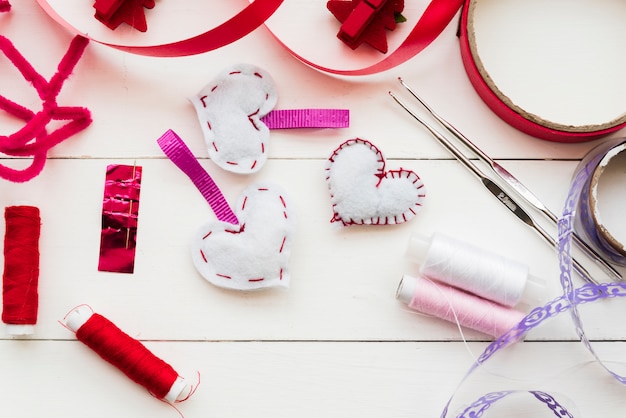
(569, 301)
(178, 152)
(307, 118)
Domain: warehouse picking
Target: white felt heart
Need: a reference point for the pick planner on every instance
(362, 192)
(255, 253)
(230, 109)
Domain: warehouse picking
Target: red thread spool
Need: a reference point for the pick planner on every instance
(20, 280)
(127, 354)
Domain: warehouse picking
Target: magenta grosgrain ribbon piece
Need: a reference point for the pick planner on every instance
(307, 118)
(177, 151)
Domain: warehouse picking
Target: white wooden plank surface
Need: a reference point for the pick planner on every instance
(337, 343)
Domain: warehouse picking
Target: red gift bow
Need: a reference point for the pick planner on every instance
(115, 12)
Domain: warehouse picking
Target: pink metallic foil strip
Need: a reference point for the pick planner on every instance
(178, 152)
(307, 118)
(120, 209)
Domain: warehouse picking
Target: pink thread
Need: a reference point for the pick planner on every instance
(5, 6)
(33, 140)
(457, 306)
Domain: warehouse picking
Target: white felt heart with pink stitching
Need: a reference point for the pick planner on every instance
(362, 192)
(230, 109)
(253, 254)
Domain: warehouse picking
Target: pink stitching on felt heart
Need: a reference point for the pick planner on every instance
(363, 193)
(253, 254)
(230, 109)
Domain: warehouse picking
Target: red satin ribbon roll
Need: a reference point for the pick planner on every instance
(510, 112)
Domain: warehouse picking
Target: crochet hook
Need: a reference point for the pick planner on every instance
(493, 188)
(521, 190)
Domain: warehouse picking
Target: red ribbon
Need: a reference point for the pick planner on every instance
(228, 32)
(433, 21)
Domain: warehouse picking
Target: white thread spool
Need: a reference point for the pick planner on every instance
(475, 270)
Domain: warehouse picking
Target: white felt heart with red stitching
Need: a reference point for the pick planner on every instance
(253, 254)
(362, 192)
(230, 109)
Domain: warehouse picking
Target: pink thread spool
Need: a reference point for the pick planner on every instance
(457, 306)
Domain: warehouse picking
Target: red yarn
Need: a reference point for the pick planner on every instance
(127, 354)
(21, 265)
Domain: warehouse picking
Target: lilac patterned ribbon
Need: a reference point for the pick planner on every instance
(178, 152)
(307, 118)
(570, 300)
(585, 221)
(478, 408)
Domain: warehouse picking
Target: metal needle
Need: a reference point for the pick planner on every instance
(496, 190)
(516, 185)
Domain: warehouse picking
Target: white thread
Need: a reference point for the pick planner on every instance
(475, 270)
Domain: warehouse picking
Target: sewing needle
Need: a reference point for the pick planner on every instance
(130, 205)
(515, 184)
(496, 190)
